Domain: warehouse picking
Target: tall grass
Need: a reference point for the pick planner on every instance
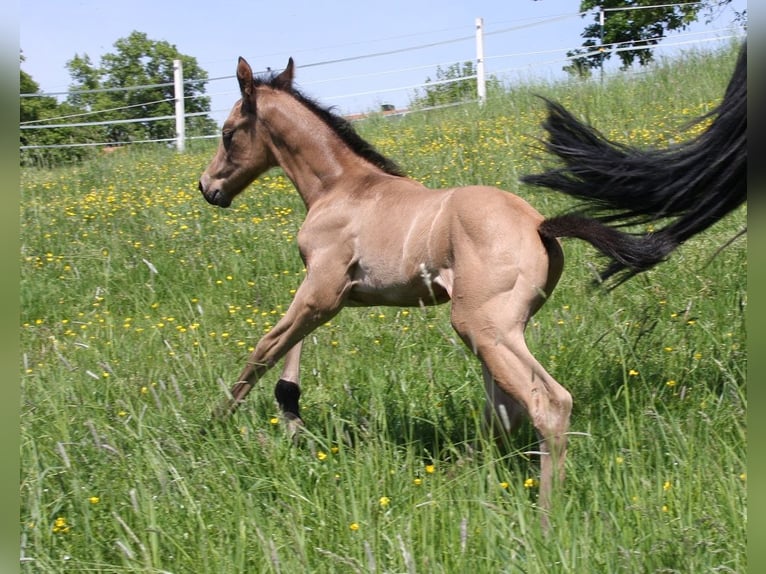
(140, 303)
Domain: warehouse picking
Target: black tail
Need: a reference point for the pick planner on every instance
(630, 254)
(694, 183)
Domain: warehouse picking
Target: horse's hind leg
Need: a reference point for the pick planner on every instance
(547, 403)
(502, 414)
(500, 346)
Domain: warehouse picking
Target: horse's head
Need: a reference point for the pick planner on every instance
(243, 153)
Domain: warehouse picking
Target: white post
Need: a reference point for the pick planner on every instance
(481, 82)
(178, 80)
(601, 41)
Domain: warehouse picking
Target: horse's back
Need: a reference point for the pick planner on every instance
(496, 217)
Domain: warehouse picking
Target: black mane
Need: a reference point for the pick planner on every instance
(341, 126)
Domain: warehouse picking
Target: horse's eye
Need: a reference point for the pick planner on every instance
(226, 135)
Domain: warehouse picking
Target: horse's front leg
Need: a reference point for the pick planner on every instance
(313, 305)
(288, 389)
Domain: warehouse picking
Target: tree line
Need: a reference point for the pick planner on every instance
(107, 89)
(140, 61)
(636, 24)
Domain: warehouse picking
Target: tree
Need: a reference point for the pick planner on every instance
(455, 84)
(34, 109)
(113, 88)
(634, 24)
(145, 68)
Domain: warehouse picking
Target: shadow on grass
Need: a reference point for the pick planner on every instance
(449, 435)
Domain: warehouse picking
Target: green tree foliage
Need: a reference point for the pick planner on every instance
(33, 110)
(107, 89)
(634, 25)
(455, 84)
(140, 61)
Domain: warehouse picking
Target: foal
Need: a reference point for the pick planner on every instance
(375, 237)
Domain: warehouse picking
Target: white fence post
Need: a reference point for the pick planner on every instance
(178, 80)
(481, 82)
(601, 41)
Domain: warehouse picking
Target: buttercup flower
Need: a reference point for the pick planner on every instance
(60, 526)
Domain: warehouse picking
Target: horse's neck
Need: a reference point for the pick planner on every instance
(310, 153)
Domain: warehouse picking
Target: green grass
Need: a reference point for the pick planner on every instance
(140, 302)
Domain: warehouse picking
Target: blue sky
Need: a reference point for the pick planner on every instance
(530, 39)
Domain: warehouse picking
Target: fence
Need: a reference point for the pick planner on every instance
(478, 56)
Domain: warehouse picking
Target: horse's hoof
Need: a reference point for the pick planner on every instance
(294, 425)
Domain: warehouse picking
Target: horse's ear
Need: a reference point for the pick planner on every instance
(284, 81)
(245, 79)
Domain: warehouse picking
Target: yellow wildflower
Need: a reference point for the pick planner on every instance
(60, 526)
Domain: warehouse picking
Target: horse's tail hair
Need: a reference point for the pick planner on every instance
(692, 184)
(629, 254)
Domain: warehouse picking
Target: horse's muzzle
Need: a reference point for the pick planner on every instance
(214, 196)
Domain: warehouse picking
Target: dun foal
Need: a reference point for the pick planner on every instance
(375, 237)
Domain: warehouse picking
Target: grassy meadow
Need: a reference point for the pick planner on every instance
(140, 303)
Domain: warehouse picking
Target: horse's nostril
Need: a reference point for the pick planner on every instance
(199, 186)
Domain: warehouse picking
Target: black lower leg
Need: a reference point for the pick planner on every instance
(288, 394)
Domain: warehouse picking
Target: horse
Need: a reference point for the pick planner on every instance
(692, 184)
(373, 236)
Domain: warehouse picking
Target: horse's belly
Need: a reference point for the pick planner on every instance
(409, 294)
